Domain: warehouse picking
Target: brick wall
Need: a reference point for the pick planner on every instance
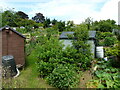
(13, 44)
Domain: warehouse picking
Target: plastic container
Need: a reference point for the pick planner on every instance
(9, 65)
(99, 52)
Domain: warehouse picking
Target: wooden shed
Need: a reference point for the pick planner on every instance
(13, 43)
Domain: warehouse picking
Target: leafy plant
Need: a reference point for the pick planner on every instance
(107, 76)
(110, 41)
(83, 49)
(113, 51)
(63, 77)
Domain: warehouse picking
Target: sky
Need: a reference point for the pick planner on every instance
(65, 10)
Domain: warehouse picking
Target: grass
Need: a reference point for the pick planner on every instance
(28, 77)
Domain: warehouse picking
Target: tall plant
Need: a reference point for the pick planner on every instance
(83, 49)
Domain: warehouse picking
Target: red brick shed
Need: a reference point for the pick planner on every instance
(13, 43)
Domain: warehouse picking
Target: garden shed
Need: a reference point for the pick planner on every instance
(67, 41)
(13, 43)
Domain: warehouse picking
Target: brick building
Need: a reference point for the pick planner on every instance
(12, 43)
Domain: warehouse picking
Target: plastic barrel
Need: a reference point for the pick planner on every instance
(99, 52)
(9, 65)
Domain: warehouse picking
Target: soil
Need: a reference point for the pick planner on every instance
(85, 78)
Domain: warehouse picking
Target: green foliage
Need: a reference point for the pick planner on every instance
(22, 15)
(88, 22)
(54, 21)
(107, 76)
(63, 77)
(9, 18)
(114, 51)
(50, 54)
(102, 35)
(83, 49)
(22, 30)
(45, 68)
(46, 23)
(51, 32)
(39, 18)
(110, 41)
(106, 39)
(104, 25)
(60, 25)
(17, 19)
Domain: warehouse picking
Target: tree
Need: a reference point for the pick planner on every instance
(83, 49)
(54, 21)
(88, 22)
(46, 23)
(39, 18)
(10, 18)
(22, 15)
(60, 26)
(69, 26)
(104, 25)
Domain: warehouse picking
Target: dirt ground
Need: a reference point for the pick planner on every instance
(85, 78)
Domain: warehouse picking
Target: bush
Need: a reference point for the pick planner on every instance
(22, 30)
(63, 77)
(60, 65)
(83, 55)
(102, 35)
(114, 51)
(45, 68)
(110, 41)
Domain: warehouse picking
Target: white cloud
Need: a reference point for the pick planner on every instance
(71, 9)
(108, 11)
(76, 10)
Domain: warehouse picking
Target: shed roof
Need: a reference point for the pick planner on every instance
(92, 34)
(9, 28)
(64, 35)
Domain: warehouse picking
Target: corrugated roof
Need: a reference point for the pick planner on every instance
(64, 35)
(9, 28)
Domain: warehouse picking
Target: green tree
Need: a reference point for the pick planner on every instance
(39, 18)
(54, 21)
(10, 18)
(46, 23)
(88, 22)
(60, 26)
(22, 15)
(83, 49)
(69, 26)
(104, 25)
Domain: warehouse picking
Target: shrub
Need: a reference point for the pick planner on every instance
(114, 51)
(63, 77)
(110, 41)
(102, 35)
(60, 65)
(83, 55)
(45, 68)
(22, 30)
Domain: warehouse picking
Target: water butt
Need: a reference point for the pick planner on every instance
(99, 52)
(9, 66)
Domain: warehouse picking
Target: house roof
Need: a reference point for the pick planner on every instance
(9, 28)
(64, 35)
